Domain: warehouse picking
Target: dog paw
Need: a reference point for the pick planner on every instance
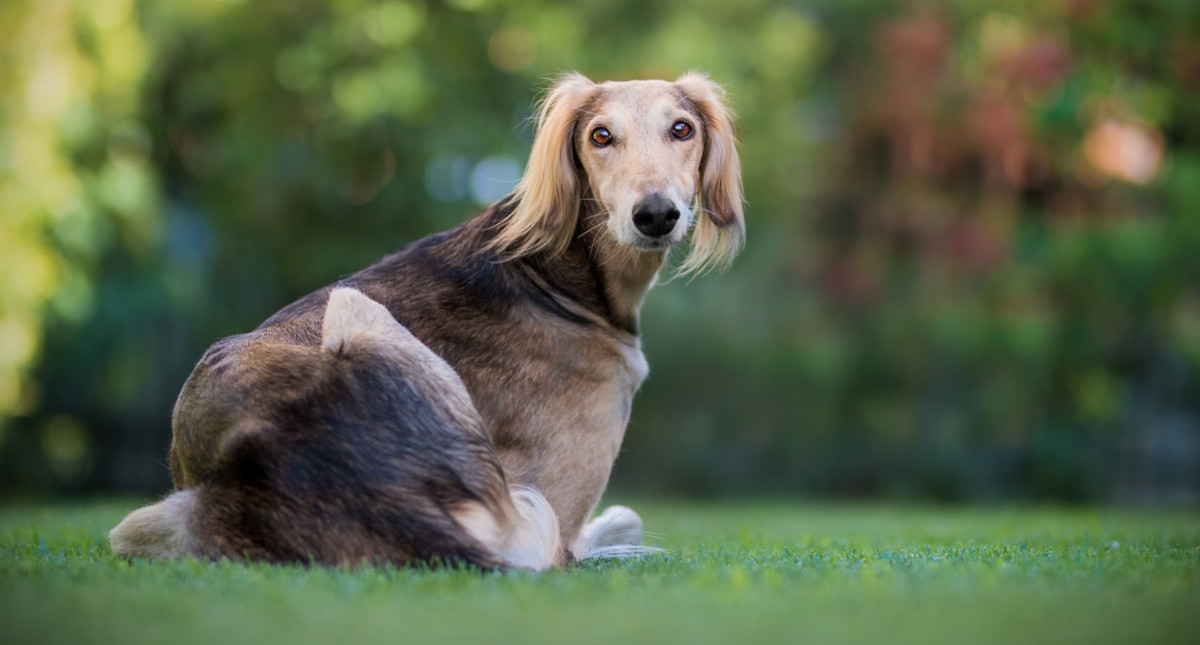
(617, 532)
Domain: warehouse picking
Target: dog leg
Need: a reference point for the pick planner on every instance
(161, 530)
(347, 483)
(518, 526)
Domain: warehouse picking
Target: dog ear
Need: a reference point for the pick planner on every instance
(546, 201)
(719, 234)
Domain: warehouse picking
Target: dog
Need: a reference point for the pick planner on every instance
(463, 400)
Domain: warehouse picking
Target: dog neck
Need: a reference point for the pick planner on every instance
(606, 280)
(625, 274)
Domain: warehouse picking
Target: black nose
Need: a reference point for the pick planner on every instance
(655, 216)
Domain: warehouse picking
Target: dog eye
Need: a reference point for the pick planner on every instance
(601, 137)
(681, 130)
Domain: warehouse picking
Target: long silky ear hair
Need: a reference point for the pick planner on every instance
(721, 227)
(548, 195)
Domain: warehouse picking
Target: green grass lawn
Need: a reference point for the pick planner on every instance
(732, 573)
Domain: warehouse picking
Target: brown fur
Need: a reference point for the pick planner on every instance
(290, 450)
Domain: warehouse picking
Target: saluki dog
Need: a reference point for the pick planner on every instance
(463, 400)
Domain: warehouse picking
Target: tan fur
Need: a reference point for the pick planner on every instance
(639, 114)
(517, 329)
(528, 538)
(352, 318)
(522, 528)
(719, 236)
(160, 530)
(548, 193)
(590, 419)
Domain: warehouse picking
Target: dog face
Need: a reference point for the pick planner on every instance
(656, 157)
(640, 144)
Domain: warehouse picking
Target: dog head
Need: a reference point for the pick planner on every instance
(657, 158)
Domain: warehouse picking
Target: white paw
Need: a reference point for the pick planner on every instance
(617, 532)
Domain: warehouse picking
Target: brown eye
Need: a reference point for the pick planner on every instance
(681, 130)
(601, 137)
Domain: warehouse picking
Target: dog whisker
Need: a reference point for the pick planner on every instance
(621, 552)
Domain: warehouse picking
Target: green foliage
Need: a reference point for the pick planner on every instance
(970, 271)
(766, 573)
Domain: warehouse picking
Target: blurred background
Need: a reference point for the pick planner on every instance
(973, 261)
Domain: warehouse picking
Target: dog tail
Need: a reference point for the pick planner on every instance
(161, 530)
(523, 535)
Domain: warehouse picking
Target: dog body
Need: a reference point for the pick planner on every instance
(465, 398)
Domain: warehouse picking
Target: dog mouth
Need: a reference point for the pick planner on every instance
(638, 240)
(653, 244)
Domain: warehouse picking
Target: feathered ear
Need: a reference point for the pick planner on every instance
(721, 230)
(547, 197)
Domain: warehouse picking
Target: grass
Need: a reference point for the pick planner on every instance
(734, 573)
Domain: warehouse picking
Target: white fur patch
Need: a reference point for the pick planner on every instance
(636, 361)
(616, 533)
(160, 530)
